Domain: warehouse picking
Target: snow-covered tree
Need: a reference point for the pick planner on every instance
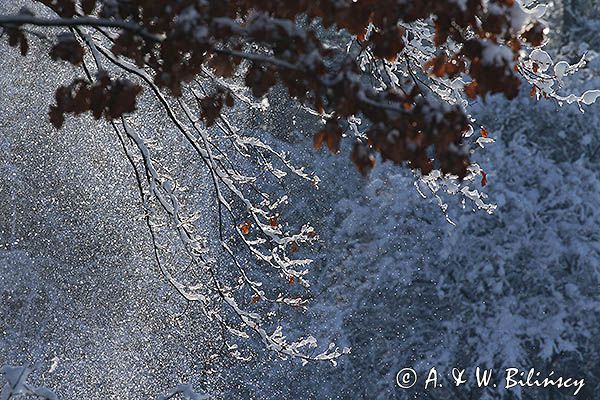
(514, 288)
(397, 79)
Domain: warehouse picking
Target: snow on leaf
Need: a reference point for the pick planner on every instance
(590, 96)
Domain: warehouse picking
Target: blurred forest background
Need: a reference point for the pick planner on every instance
(81, 300)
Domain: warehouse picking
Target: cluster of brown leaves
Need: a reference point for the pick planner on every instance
(111, 98)
(212, 105)
(423, 127)
(16, 38)
(68, 49)
(177, 39)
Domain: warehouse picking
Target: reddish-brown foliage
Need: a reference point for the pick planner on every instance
(175, 40)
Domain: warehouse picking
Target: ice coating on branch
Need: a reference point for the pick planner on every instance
(546, 77)
(542, 59)
(590, 96)
(560, 69)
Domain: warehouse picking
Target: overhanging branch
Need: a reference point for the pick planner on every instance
(18, 20)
